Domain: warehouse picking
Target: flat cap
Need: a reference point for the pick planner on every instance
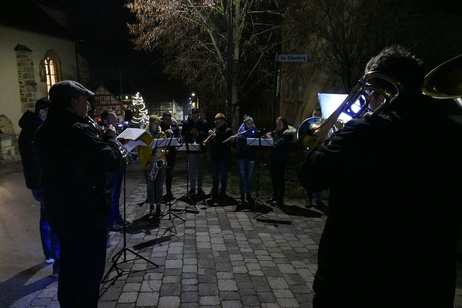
(67, 89)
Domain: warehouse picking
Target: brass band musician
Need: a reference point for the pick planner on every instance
(150, 158)
(171, 129)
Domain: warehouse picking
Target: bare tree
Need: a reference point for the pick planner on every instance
(193, 36)
(343, 34)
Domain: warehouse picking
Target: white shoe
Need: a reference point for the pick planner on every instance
(50, 261)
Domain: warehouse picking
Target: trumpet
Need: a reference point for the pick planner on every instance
(204, 143)
(234, 136)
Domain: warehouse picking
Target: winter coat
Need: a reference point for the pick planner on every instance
(29, 124)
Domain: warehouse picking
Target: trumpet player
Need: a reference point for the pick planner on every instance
(171, 129)
(150, 158)
(220, 154)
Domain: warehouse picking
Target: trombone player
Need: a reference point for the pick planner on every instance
(395, 214)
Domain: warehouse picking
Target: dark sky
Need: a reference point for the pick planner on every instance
(106, 45)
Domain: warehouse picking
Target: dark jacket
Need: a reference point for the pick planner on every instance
(220, 150)
(395, 210)
(74, 164)
(201, 126)
(176, 134)
(244, 151)
(281, 145)
(29, 124)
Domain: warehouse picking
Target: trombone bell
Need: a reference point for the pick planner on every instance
(445, 81)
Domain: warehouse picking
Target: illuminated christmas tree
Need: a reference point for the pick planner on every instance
(140, 112)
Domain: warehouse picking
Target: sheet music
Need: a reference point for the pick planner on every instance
(264, 142)
(131, 134)
(191, 147)
(133, 143)
(165, 142)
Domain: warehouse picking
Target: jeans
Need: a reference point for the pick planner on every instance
(49, 240)
(219, 168)
(155, 188)
(116, 180)
(83, 258)
(245, 167)
(171, 157)
(193, 160)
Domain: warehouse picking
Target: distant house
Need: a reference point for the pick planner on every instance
(36, 51)
(104, 99)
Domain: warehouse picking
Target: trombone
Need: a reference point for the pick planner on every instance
(204, 143)
(443, 82)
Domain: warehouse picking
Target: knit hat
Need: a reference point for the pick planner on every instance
(153, 118)
(248, 119)
(42, 103)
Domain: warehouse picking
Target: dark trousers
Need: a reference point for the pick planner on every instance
(219, 169)
(83, 257)
(277, 172)
(171, 157)
(116, 180)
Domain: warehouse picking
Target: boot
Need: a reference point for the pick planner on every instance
(157, 211)
(271, 200)
(249, 198)
(151, 209)
(243, 201)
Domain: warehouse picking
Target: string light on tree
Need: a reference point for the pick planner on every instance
(140, 112)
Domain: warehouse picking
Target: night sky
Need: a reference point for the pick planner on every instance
(106, 45)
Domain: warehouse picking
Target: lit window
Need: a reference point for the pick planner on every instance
(52, 68)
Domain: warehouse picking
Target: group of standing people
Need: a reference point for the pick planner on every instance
(391, 244)
(199, 135)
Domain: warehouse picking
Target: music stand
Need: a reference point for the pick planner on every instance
(188, 147)
(121, 256)
(169, 142)
(259, 142)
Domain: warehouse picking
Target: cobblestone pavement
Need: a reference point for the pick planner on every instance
(216, 258)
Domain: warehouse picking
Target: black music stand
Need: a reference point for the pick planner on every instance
(121, 256)
(169, 142)
(259, 142)
(188, 147)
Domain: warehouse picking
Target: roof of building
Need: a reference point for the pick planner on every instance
(29, 15)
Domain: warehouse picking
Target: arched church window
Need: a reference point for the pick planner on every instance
(52, 68)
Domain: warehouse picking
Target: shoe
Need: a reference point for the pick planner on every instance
(308, 203)
(115, 227)
(320, 203)
(121, 222)
(214, 193)
(273, 203)
(158, 212)
(271, 200)
(192, 192)
(200, 192)
(50, 261)
(55, 275)
(280, 202)
(249, 199)
(169, 195)
(223, 194)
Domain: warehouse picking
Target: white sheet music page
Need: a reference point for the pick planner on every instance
(131, 134)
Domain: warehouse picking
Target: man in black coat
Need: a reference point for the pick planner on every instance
(195, 130)
(395, 214)
(220, 154)
(74, 162)
(29, 123)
